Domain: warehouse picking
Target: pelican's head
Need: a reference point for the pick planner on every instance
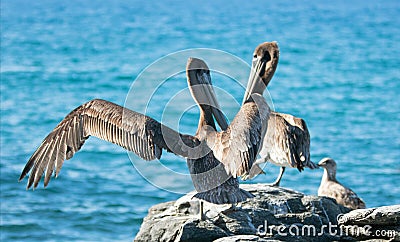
(265, 61)
(328, 163)
(199, 81)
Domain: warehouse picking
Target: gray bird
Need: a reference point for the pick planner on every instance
(330, 187)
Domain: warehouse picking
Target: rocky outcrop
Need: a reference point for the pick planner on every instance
(274, 214)
(377, 223)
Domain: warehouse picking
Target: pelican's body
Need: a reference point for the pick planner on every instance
(215, 159)
(287, 141)
(330, 187)
(209, 176)
(286, 144)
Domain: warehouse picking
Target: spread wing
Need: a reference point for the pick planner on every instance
(133, 131)
(238, 146)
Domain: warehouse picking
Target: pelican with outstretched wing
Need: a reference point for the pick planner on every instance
(234, 148)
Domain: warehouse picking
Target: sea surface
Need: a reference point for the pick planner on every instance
(339, 69)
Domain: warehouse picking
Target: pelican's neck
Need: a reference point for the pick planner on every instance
(206, 119)
(329, 175)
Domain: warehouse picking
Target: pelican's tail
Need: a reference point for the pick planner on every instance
(224, 196)
(226, 193)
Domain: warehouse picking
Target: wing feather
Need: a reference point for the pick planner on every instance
(298, 141)
(42, 166)
(287, 142)
(36, 165)
(61, 152)
(52, 161)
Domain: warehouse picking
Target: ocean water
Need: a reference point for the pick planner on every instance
(339, 70)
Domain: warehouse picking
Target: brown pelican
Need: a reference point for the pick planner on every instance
(286, 144)
(287, 141)
(210, 179)
(264, 64)
(330, 187)
(236, 147)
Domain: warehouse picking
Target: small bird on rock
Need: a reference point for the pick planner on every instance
(330, 187)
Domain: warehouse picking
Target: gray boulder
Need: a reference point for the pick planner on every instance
(377, 223)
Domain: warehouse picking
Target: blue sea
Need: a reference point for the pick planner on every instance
(339, 69)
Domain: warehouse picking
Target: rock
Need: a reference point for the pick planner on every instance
(387, 215)
(379, 223)
(275, 214)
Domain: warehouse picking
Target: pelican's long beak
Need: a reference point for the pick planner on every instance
(216, 110)
(200, 86)
(255, 83)
(210, 99)
(265, 61)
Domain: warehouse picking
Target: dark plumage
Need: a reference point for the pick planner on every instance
(330, 187)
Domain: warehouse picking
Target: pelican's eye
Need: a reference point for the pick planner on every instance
(267, 57)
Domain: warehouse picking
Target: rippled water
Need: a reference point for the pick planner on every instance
(339, 70)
